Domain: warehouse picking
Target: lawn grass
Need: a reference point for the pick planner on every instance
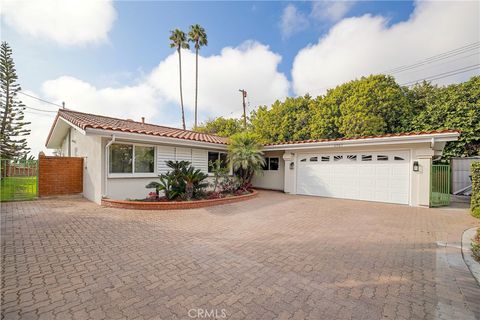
(18, 188)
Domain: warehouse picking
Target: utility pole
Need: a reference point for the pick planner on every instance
(244, 95)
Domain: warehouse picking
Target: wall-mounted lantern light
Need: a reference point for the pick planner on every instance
(416, 166)
(292, 165)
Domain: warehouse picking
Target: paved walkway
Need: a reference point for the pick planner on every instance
(274, 257)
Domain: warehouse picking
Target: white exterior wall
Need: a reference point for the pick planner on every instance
(134, 187)
(271, 179)
(419, 181)
(90, 148)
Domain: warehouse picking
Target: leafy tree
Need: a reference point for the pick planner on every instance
(373, 105)
(456, 106)
(13, 143)
(245, 155)
(179, 41)
(284, 121)
(198, 36)
(221, 126)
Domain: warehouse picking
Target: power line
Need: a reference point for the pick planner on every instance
(40, 99)
(444, 74)
(42, 110)
(436, 58)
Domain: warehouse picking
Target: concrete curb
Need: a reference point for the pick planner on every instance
(473, 265)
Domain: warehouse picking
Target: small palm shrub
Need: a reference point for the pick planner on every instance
(183, 181)
(245, 156)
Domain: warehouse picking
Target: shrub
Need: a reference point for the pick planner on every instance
(183, 181)
(245, 155)
(475, 202)
(476, 246)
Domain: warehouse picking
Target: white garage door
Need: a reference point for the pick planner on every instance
(371, 176)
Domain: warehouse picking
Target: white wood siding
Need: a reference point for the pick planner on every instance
(200, 159)
(197, 157)
(164, 153)
(183, 154)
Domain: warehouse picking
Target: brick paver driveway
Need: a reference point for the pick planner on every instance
(277, 256)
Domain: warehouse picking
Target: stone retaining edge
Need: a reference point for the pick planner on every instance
(174, 205)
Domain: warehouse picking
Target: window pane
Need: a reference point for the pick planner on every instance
(325, 158)
(144, 159)
(265, 165)
(337, 158)
(382, 158)
(366, 157)
(121, 158)
(274, 164)
(352, 157)
(223, 160)
(314, 159)
(212, 157)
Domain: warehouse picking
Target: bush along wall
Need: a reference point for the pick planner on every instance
(475, 202)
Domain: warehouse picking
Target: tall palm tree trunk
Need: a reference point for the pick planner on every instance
(196, 84)
(181, 92)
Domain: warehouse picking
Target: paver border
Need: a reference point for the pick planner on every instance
(175, 205)
(472, 265)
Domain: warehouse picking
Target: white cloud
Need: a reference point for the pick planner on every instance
(67, 22)
(292, 21)
(330, 10)
(363, 45)
(251, 66)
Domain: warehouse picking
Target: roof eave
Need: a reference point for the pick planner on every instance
(154, 138)
(423, 138)
(57, 132)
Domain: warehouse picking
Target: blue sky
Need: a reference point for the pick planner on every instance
(113, 58)
(139, 37)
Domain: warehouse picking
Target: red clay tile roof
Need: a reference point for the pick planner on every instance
(403, 134)
(87, 120)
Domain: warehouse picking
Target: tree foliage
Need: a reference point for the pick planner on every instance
(376, 105)
(13, 144)
(224, 127)
(456, 106)
(284, 121)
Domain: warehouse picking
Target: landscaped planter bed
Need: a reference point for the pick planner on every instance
(175, 205)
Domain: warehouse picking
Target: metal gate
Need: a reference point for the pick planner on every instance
(440, 185)
(18, 180)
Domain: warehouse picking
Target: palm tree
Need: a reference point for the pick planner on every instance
(245, 155)
(179, 41)
(198, 36)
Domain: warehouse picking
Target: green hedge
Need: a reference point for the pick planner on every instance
(475, 204)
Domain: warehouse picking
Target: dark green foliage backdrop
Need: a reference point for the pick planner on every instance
(368, 106)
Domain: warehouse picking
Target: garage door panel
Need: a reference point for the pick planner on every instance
(385, 181)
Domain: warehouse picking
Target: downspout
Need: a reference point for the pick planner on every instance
(107, 148)
(69, 142)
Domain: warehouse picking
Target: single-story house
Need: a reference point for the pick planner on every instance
(122, 156)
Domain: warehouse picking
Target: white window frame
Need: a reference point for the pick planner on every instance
(267, 162)
(230, 169)
(133, 174)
